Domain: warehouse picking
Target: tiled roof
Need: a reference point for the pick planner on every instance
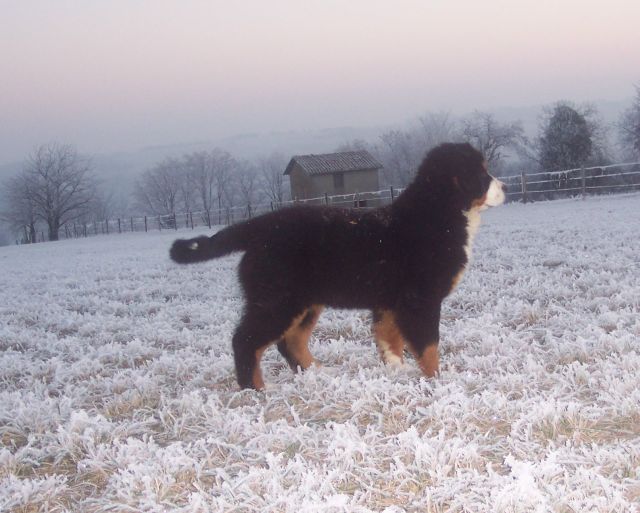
(334, 162)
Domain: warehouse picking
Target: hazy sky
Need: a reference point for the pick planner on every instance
(111, 75)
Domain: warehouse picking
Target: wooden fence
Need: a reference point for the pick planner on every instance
(525, 188)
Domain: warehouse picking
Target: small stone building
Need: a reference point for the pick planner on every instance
(347, 172)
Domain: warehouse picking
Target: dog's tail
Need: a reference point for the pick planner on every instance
(200, 249)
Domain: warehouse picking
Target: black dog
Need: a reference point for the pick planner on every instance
(400, 261)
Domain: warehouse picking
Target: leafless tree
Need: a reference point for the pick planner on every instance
(629, 128)
(437, 128)
(59, 184)
(490, 136)
(223, 165)
(400, 153)
(158, 190)
(247, 184)
(20, 214)
(273, 179)
(102, 207)
(356, 145)
(188, 197)
(200, 171)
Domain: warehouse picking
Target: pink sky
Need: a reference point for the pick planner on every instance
(116, 75)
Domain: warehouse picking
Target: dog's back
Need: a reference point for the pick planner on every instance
(322, 255)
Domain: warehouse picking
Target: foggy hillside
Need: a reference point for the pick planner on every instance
(120, 170)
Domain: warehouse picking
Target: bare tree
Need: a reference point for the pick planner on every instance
(400, 153)
(158, 190)
(20, 213)
(102, 207)
(356, 145)
(629, 127)
(59, 184)
(437, 128)
(247, 182)
(489, 136)
(223, 165)
(187, 196)
(199, 166)
(272, 171)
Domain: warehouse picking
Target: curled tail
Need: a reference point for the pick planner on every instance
(200, 249)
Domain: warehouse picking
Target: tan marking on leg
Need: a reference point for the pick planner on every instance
(258, 382)
(297, 336)
(429, 361)
(388, 338)
(456, 280)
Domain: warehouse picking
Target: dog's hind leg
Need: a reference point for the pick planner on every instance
(388, 337)
(257, 330)
(422, 332)
(294, 345)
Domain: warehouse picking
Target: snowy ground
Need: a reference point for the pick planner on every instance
(117, 390)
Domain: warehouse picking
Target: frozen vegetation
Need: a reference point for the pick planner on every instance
(117, 391)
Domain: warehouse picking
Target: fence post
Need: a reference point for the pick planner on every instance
(326, 198)
(106, 223)
(145, 224)
(393, 197)
(175, 221)
(584, 182)
(191, 218)
(523, 179)
(131, 224)
(119, 226)
(159, 224)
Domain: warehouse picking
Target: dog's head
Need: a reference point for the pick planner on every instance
(462, 170)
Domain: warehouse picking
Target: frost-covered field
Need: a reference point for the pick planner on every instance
(117, 390)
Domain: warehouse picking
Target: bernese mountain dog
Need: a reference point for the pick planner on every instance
(399, 261)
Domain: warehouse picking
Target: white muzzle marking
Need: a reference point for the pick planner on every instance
(495, 194)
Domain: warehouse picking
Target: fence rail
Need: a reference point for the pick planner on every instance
(550, 185)
(610, 179)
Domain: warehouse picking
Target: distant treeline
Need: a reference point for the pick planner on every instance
(57, 187)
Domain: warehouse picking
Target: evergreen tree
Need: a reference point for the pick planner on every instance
(566, 141)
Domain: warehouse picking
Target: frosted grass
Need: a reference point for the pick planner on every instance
(117, 390)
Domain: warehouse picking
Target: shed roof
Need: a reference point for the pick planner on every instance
(334, 162)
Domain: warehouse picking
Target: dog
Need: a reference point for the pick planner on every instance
(400, 261)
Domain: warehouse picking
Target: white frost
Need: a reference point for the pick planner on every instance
(117, 390)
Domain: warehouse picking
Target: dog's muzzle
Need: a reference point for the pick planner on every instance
(496, 193)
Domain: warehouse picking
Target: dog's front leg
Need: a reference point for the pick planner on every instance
(421, 329)
(388, 337)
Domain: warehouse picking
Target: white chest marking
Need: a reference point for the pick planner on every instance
(473, 224)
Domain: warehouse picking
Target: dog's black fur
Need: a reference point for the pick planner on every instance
(399, 261)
